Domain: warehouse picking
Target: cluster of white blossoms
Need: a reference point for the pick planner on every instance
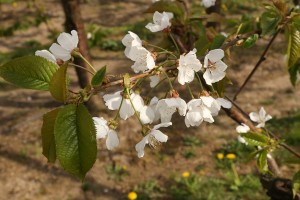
(261, 118)
(208, 3)
(129, 103)
(63, 50)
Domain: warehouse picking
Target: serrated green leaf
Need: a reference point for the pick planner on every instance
(270, 20)
(255, 139)
(250, 41)
(262, 161)
(32, 72)
(293, 46)
(98, 77)
(58, 84)
(75, 138)
(218, 41)
(167, 6)
(48, 141)
(296, 183)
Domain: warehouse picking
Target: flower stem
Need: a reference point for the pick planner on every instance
(199, 81)
(173, 40)
(190, 91)
(135, 112)
(169, 80)
(87, 62)
(78, 66)
(118, 113)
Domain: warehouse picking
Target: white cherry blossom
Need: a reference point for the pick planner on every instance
(153, 138)
(161, 21)
(144, 60)
(103, 131)
(215, 67)
(260, 117)
(113, 101)
(199, 110)
(149, 114)
(188, 65)
(167, 107)
(130, 40)
(243, 128)
(66, 44)
(46, 54)
(208, 3)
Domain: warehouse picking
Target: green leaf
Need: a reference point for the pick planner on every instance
(75, 138)
(98, 77)
(218, 41)
(262, 162)
(294, 72)
(255, 139)
(293, 46)
(250, 41)
(296, 183)
(168, 6)
(270, 20)
(58, 84)
(48, 141)
(32, 72)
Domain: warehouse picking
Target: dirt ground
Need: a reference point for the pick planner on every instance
(25, 173)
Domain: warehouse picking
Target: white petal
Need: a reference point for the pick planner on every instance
(254, 116)
(60, 52)
(153, 27)
(113, 101)
(262, 113)
(217, 75)
(182, 107)
(137, 101)
(139, 147)
(215, 55)
(126, 110)
(208, 77)
(101, 127)
(46, 54)
(193, 119)
(147, 115)
(224, 103)
(243, 128)
(67, 41)
(242, 140)
(162, 125)
(159, 136)
(221, 66)
(112, 140)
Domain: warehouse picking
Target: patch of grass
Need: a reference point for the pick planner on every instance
(288, 128)
(149, 190)
(191, 140)
(116, 172)
(211, 188)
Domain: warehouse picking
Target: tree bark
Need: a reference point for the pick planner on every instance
(74, 22)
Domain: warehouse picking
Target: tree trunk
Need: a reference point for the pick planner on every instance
(74, 22)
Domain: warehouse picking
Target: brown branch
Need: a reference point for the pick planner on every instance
(261, 59)
(238, 38)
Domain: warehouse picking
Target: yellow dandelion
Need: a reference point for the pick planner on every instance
(220, 156)
(185, 174)
(124, 167)
(132, 195)
(14, 4)
(231, 156)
